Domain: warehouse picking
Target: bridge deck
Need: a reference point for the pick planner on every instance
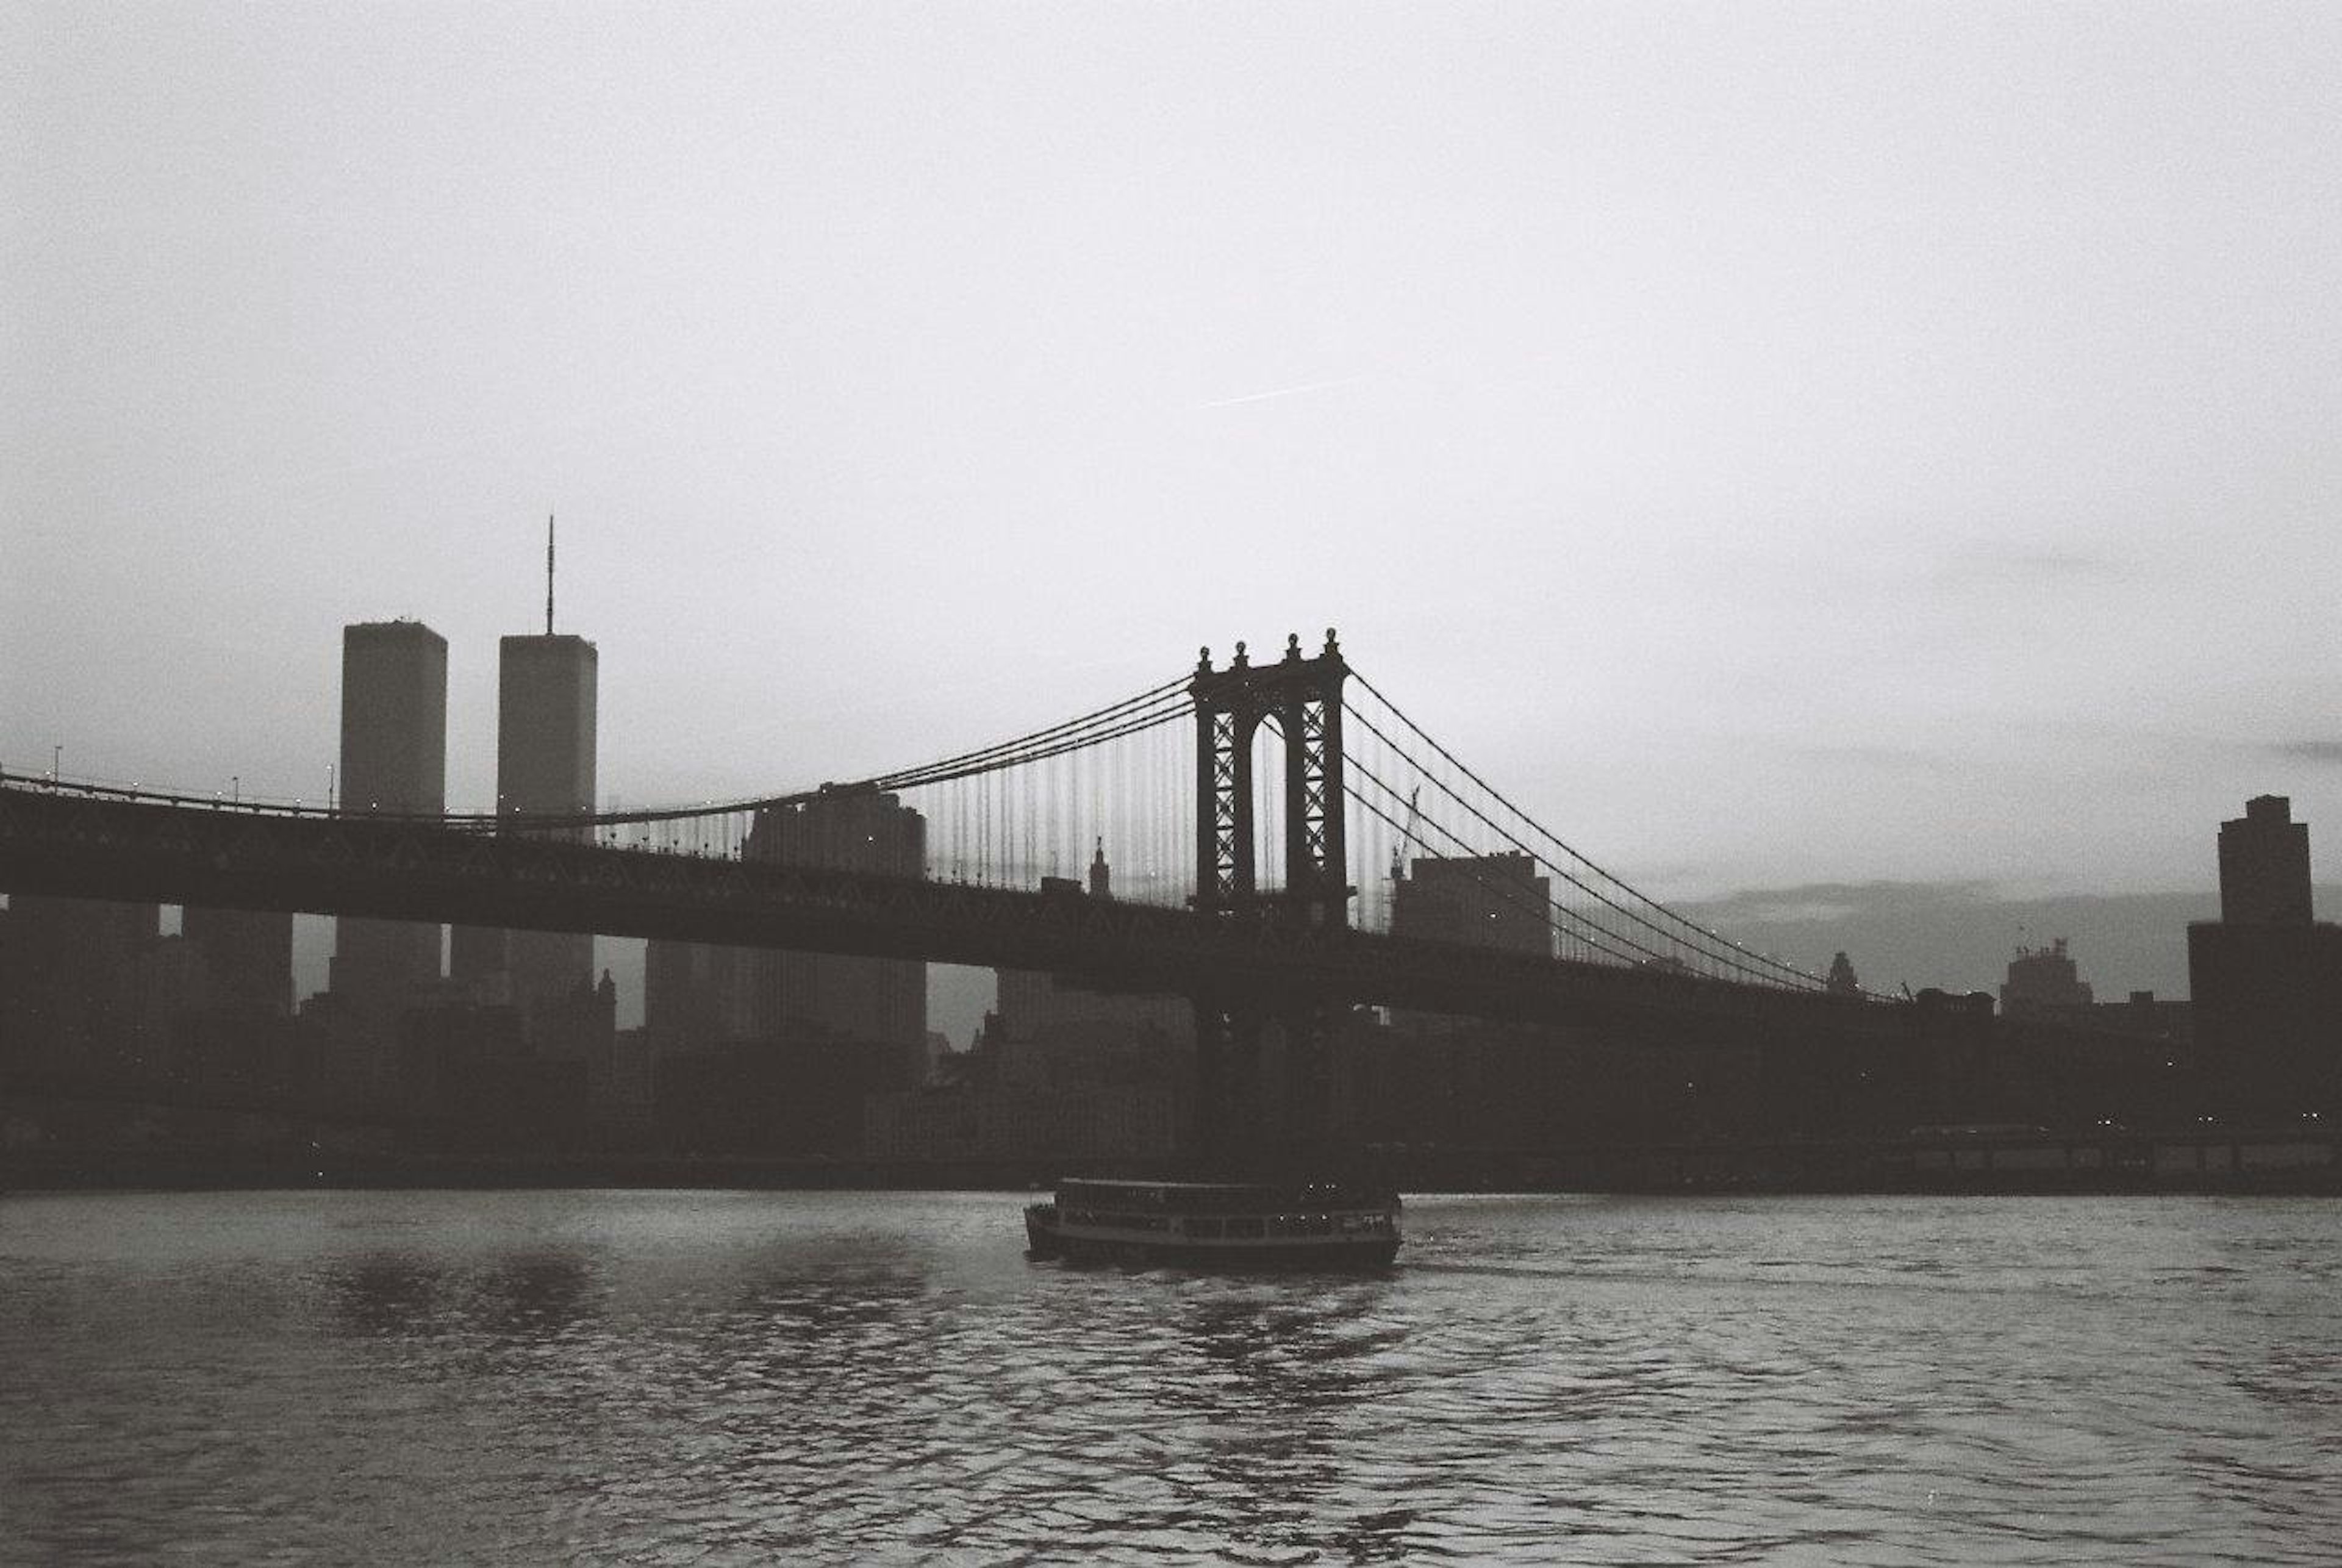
(408, 869)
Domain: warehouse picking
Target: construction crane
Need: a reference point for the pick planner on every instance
(1407, 836)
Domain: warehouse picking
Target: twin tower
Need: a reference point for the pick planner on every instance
(394, 760)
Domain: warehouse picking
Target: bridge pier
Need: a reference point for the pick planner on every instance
(1227, 1080)
(1263, 1083)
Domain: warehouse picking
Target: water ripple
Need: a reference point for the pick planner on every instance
(713, 1378)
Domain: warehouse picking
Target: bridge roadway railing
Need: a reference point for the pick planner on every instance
(409, 868)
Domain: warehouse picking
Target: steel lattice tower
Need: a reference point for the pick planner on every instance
(1301, 698)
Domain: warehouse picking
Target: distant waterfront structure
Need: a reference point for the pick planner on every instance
(2141, 1013)
(2266, 976)
(696, 995)
(71, 984)
(247, 956)
(393, 758)
(2041, 979)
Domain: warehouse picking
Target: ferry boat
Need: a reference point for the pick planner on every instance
(1218, 1224)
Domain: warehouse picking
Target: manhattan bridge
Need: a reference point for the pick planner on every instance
(1261, 816)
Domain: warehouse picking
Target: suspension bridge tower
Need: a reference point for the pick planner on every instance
(1242, 1116)
(1302, 698)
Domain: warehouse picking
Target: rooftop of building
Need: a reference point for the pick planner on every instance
(401, 627)
(545, 640)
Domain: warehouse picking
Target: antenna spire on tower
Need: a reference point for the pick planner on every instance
(548, 573)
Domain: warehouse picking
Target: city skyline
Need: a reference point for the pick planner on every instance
(1954, 936)
(1729, 952)
(1775, 465)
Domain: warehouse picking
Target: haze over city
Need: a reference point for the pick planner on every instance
(1793, 451)
(1762, 997)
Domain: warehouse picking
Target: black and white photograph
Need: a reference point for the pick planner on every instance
(1028, 782)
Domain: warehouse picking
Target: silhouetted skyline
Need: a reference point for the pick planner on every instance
(1780, 462)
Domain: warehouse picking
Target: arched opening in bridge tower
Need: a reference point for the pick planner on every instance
(1268, 807)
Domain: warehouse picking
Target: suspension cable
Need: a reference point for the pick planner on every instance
(1129, 725)
(1659, 931)
(1509, 896)
(1111, 713)
(1699, 931)
(1592, 934)
(1100, 724)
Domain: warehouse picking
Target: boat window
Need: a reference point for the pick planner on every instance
(1244, 1228)
(1199, 1227)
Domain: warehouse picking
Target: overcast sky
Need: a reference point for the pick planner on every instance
(1779, 444)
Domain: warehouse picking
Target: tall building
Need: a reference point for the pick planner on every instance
(2265, 977)
(1477, 900)
(698, 997)
(393, 759)
(2265, 865)
(757, 1050)
(881, 999)
(2041, 978)
(546, 694)
(1481, 901)
(1048, 1031)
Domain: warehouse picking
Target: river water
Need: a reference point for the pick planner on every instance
(724, 1377)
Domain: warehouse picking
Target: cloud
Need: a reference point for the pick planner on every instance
(1982, 565)
(1828, 902)
(2309, 751)
(1297, 391)
(1881, 758)
(1960, 935)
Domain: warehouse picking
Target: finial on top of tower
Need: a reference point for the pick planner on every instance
(1292, 648)
(1332, 646)
(1203, 661)
(1239, 662)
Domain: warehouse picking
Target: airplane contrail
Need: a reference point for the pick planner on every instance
(1281, 392)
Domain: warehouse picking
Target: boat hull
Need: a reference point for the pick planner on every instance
(1045, 1238)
